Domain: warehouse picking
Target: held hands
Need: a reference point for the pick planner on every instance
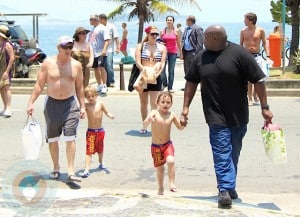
(184, 116)
(82, 113)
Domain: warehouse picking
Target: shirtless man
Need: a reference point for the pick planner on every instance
(251, 38)
(64, 78)
(124, 41)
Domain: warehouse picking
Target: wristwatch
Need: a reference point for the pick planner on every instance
(266, 107)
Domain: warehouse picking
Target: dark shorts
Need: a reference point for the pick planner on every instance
(161, 152)
(99, 61)
(61, 116)
(154, 87)
(94, 141)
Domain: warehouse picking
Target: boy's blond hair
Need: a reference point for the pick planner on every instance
(90, 89)
(164, 94)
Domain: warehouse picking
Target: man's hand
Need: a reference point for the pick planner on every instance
(267, 114)
(184, 120)
(30, 109)
(82, 113)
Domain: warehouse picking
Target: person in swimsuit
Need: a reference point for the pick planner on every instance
(83, 52)
(7, 59)
(252, 37)
(124, 41)
(64, 104)
(162, 149)
(95, 132)
(171, 37)
(150, 54)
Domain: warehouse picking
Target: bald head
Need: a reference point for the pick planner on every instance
(217, 29)
(215, 38)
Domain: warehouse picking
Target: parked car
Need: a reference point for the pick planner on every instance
(26, 51)
(17, 33)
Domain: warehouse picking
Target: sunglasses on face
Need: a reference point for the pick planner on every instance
(82, 33)
(65, 47)
(154, 34)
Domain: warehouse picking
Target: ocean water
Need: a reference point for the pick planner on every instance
(49, 32)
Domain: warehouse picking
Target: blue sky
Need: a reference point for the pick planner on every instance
(214, 11)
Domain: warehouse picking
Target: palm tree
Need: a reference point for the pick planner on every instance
(147, 10)
(295, 21)
(291, 18)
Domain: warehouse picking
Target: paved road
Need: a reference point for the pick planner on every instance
(265, 188)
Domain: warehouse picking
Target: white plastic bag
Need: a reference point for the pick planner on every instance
(274, 142)
(32, 139)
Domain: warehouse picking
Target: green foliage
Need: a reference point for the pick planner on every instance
(296, 62)
(147, 10)
(276, 11)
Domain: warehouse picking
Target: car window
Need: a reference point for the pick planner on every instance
(18, 33)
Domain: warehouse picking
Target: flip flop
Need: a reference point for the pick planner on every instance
(54, 175)
(143, 131)
(73, 178)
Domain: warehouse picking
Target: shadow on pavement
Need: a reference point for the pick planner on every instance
(269, 206)
(137, 133)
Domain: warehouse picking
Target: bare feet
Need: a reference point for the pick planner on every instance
(173, 188)
(160, 191)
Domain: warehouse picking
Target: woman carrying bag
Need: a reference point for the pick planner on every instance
(150, 59)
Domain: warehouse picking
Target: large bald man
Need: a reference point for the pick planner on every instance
(224, 69)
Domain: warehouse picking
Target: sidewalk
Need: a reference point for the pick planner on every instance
(145, 203)
(265, 189)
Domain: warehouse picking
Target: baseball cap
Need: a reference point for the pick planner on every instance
(64, 40)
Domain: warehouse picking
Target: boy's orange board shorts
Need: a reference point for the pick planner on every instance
(94, 141)
(161, 152)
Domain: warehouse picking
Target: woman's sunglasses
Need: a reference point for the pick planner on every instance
(154, 34)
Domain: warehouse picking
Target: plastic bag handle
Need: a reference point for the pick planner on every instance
(27, 120)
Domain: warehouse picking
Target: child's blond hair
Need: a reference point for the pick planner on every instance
(90, 89)
(164, 94)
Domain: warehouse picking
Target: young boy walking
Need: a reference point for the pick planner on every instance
(95, 132)
(162, 148)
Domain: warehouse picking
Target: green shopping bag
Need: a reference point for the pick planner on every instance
(274, 142)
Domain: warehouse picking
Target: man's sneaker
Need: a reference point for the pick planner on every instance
(224, 199)
(84, 174)
(233, 194)
(111, 84)
(104, 168)
(104, 90)
(99, 88)
(7, 114)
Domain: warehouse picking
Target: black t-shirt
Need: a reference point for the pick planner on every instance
(224, 76)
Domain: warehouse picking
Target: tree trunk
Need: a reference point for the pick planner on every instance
(141, 29)
(294, 6)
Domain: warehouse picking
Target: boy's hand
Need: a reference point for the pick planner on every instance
(111, 116)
